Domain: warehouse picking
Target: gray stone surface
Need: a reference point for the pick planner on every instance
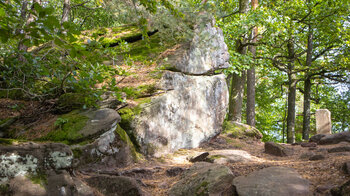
(231, 156)
(277, 149)
(272, 181)
(30, 158)
(204, 179)
(323, 121)
(112, 149)
(207, 51)
(100, 121)
(335, 138)
(190, 112)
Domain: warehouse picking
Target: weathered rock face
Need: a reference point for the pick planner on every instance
(272, 181)
(31, 158)
(99, 122)
(191, 112)
(323, 121)
(204, 179)
(331, 139)
(207, 52)
(112, 149)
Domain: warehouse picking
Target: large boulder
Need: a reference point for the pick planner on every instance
(112, 149)
(32, 158)
(272, 181)
(190, 112)
(204, 179)
(206, 53)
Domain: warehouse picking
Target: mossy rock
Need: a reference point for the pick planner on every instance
(67, 128)
(238, 130)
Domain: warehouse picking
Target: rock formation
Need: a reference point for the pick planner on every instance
(194, 104)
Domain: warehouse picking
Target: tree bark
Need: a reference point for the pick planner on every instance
(250, 112)
(238, 81)
(306, 114)
(292, 90)
(236, 97)
(66, 11)
(307, 87)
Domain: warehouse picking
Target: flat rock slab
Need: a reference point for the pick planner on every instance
(204, 179)
(231, 156)
(272, 181)
(331, 139)
(100, 121)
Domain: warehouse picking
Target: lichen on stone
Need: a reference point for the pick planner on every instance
(12, 165)
(59, 160)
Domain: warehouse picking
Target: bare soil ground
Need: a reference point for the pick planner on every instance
(327, 172)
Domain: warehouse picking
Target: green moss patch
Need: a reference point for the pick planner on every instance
(125, 137)
(240, 131)
(140, 91)
(67, 128)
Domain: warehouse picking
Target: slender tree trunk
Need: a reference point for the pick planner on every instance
(238, 81)
(292, 90)
(307, 87)
(236, 97)
(66, 11)
(306, 114)
(21, 46)
(251, 77)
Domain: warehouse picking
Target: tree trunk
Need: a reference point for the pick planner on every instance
(236, 97)
(66, 11)
(251, 77)
(307, 87)
(292, 84)
(238, 81)
(292, 90)
(306, 114)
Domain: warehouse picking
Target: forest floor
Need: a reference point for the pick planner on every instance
(321, 173)
(159, 174)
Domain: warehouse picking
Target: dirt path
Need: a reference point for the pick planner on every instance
(157, 181)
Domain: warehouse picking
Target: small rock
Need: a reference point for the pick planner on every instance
(307, 155)
(174, 171)
(343, 190)
(339, 149)
(276, 149)
(309, 144)
(323, 188)
(317, 157)
(199, 158)
(295, 143)
(346, 167)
